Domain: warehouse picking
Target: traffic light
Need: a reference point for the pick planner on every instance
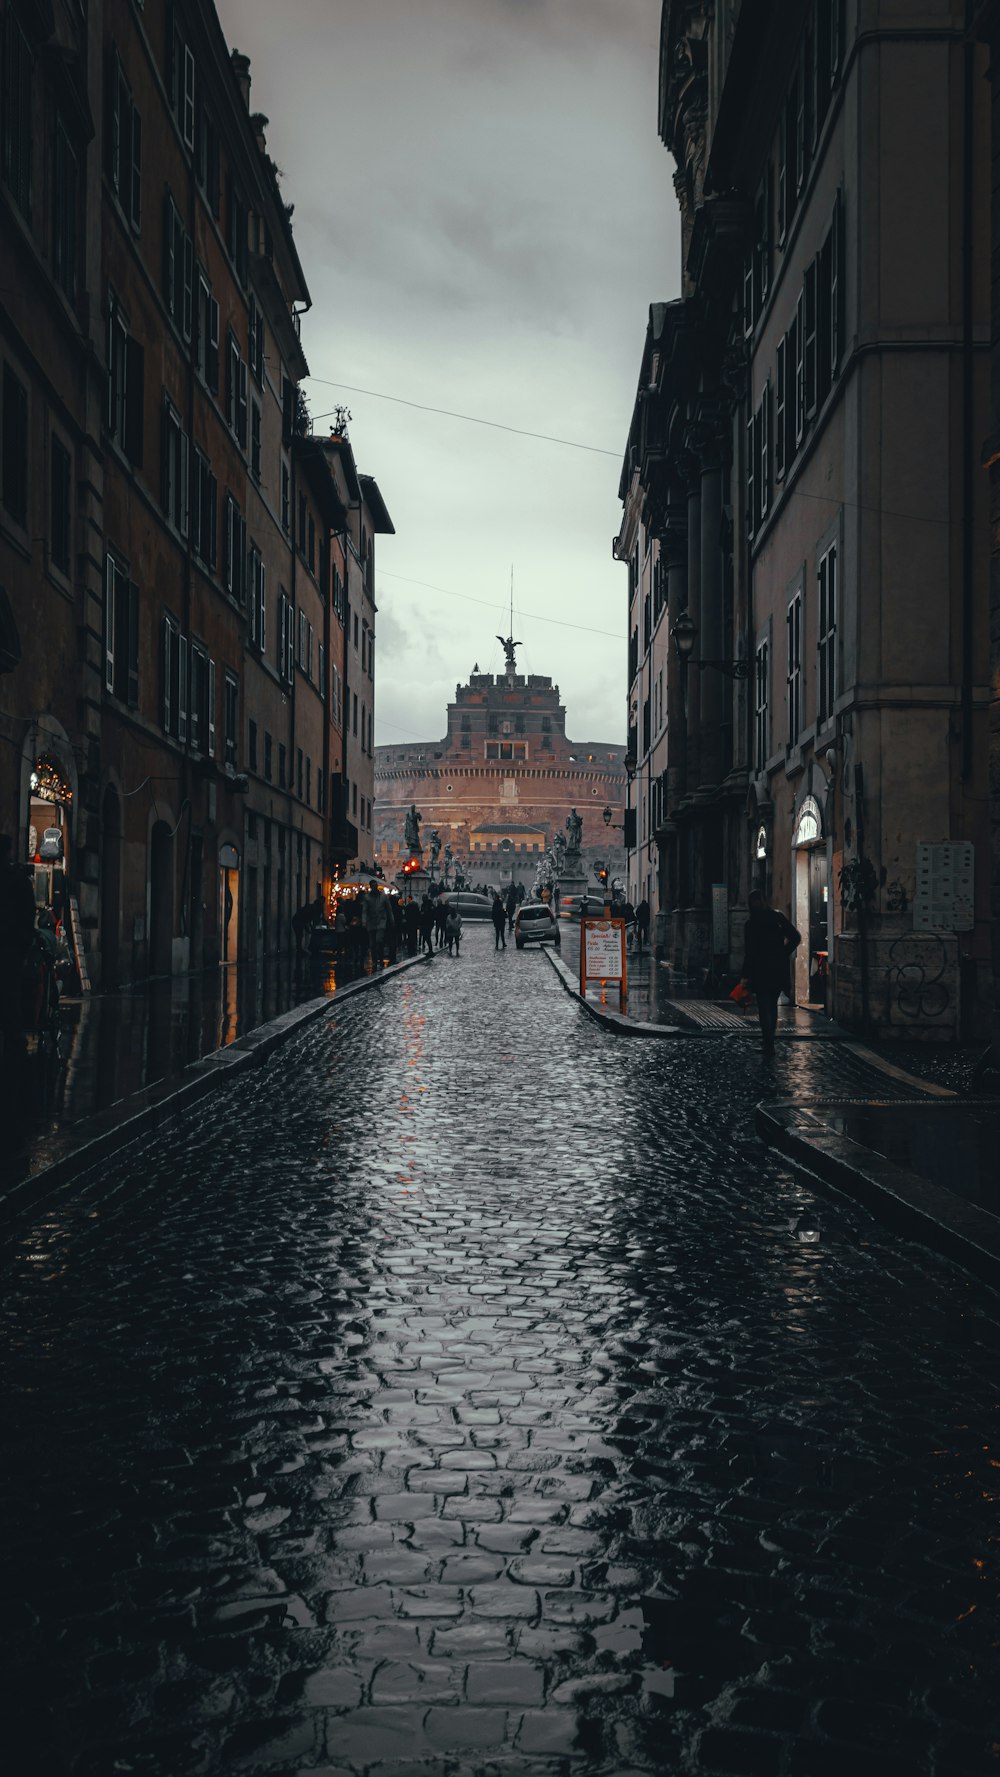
(410, 866)
(602, 874)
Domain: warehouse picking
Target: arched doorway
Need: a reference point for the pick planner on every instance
(812, 904)
(111, 897)
(161, 898)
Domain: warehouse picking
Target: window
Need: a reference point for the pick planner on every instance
(761, 713)
(800, 370)
(355, 632)
(235, 550)
(178, 268)
(322, 672)
(286, 638)
(208, 161)
(14, 482)
(354, 722)
(236, 228)
(354, 800)
(298, 772)
(309, 653)
(809, 340)
(126, 378)
(252, 744)
(204, 509)
(258, 599)
(302, 524)
(123, 142)
(230, 718)
(64, 202)
(311, 545)
(300, 653)
(282, 765)
(60, 489)
(268, 755)
(286, 500)
(320, 790)
(780, 407)
(16, 108)
(207, 355)
(121, 633)
(173, 679)
(793, 621)
(826, 635)
(309, 774)
(175, 470)
(336, 696)
(201, 715)
(182, 95)
(255, 342)
(236, 391)
(255, 440)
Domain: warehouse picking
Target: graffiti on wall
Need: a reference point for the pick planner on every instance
(917, 977)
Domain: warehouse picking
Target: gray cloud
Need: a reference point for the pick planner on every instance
(484, 214)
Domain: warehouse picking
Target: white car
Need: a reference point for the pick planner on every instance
(535, 923)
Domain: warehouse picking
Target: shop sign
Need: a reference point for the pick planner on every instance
(602, 954)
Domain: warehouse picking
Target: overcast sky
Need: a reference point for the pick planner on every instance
(484, 213)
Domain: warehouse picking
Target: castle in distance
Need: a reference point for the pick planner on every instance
(502, 783)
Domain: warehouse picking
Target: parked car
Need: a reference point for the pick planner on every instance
(469, 905)
(535, 923)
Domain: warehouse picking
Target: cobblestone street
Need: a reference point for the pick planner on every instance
(470, 1393)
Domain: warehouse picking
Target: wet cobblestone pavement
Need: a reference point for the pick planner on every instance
(469, 1393)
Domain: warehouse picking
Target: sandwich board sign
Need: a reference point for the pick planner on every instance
(602, 954)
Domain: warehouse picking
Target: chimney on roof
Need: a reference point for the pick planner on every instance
(259, 125)
(241, 69)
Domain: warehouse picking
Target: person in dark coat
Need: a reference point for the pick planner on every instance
(440, 919)
(427, 924)
(411, 924)
(769, 941)
(511, 903)
(391, 927)
(499, 913)
(642, 923)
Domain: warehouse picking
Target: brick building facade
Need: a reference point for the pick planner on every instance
(175, 603)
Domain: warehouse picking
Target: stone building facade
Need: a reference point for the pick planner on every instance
(800, 511)
(174, 602)
(501, 784)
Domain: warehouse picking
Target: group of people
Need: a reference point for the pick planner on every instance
(376, 926)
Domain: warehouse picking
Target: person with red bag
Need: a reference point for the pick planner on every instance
(769, 941)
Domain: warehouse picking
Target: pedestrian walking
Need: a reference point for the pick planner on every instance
(499, 913)
(641, 923)
(427, 925)
(375, 918)
(511, 903)
(440, 919)
(453, 930)
(769, 941)
(411, 925)
(391, 927)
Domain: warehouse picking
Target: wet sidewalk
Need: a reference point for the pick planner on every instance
(116, 1046)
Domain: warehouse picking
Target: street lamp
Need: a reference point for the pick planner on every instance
(606, 814)
(684, 634)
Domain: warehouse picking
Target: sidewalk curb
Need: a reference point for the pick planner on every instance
(98, 1137)
(902, 1200)
(613, 1021)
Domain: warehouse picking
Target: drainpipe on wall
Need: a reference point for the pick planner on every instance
(968, 416)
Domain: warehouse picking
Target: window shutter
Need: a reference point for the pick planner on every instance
(132, 686)
(836, 313)
(765, 452)
(212, 347)
(182, 687)
(227, 539)
(187, 119)
(253, 596)
(135, 176)
(800, 376)
(134, 401)
(167, 672)
(211, 708)
(263, 608)
(169, 271)
(187, 295)
(213, 519)
(779, 408)
(241, 411)
(184, 486)
(751, 474)
(109, 624)
(290, 673)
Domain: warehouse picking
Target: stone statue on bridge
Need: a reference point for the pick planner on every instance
(411, 829)
(574, 827)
